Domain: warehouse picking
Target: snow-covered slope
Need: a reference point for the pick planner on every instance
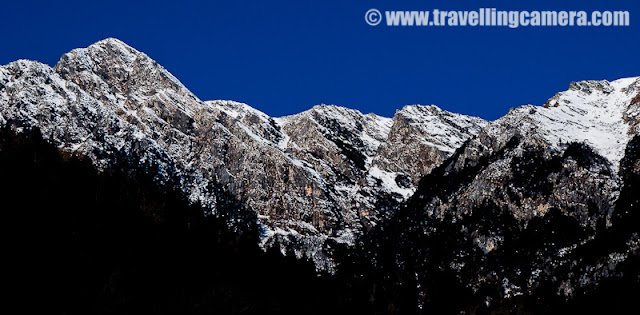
(592, 112)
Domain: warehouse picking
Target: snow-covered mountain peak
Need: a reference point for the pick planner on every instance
(591, 91)
(346, 117)
(349, 127)
(116, 73)
(436, 127)
(597, 113)
(592, 112)
(590, 86)
(417, 108)
(604, 86)
(109, 52)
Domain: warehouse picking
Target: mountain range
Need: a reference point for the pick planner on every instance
(500, 208)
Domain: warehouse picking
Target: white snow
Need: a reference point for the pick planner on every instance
(284, 142)
(439, 128)
(388, 180)
(236, 109)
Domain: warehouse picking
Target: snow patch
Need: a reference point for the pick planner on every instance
(388, 180)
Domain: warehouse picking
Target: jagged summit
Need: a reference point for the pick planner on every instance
(110, 50)
(114, 72)
(113, 41)
(605, 86)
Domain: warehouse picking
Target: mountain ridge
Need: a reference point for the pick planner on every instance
(314, 178)
(109, 97)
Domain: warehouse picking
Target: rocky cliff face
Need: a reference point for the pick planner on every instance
(314, 178)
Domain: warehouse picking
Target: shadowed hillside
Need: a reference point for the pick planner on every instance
(79, 242)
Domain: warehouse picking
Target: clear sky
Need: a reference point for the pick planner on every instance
(283, 57)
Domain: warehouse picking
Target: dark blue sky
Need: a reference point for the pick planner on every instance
(283, 57)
